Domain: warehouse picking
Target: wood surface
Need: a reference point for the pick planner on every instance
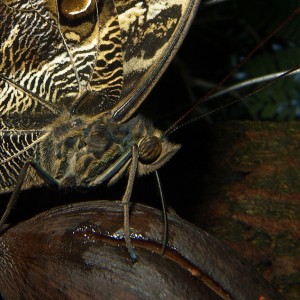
(251, 198)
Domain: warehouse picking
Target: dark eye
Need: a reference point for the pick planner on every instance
(149, 149)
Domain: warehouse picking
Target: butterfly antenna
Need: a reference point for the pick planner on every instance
(165, 238)
(284, 74)
(206, 97)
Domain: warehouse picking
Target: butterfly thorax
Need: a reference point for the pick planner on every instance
(78, 150)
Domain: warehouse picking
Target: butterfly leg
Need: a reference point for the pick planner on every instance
(125, 202)
(21, 179)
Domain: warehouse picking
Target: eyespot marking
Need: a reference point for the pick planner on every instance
(76, 10)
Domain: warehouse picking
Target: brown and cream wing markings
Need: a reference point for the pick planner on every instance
(64, 64)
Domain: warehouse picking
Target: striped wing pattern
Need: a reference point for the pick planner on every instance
(28, 61)
(16, 147)
(46, 66)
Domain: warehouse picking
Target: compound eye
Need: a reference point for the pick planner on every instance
(149, 149)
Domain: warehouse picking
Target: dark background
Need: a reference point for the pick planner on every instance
(220, 36)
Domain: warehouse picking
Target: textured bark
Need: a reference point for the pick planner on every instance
(252, 197)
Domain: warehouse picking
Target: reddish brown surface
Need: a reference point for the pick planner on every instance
(255, 207)
(74, 252)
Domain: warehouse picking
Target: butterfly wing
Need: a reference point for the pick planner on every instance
(57, 57)
(109, 56)
(152, 31)
(16, 147)
(150, 34)
(51, 59)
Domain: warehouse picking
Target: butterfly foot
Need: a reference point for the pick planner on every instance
(121, 234)
(132, 254)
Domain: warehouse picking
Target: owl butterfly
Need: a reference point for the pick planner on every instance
(72, 74)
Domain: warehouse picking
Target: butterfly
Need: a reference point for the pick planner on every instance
(71, 77)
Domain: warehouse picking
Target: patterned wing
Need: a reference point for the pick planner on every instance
(53, 53)
(16, 147)
(152, 31)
